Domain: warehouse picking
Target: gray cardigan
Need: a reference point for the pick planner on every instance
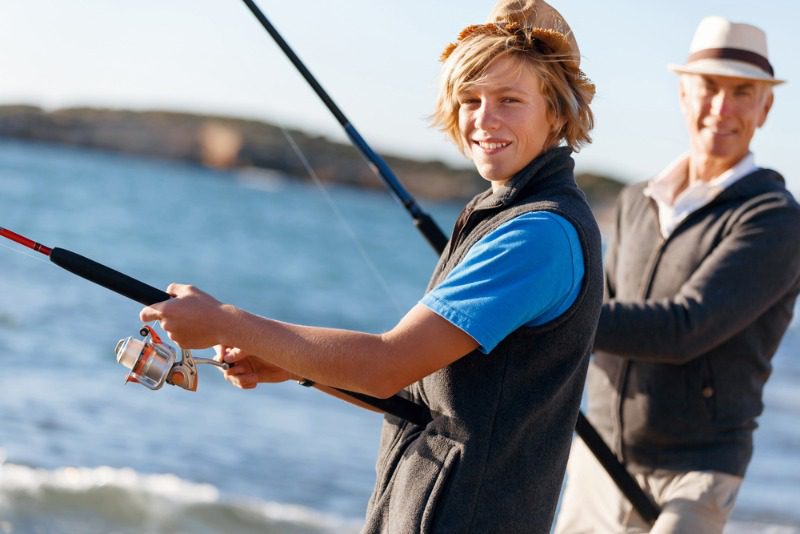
(493, 458)
(691, 323)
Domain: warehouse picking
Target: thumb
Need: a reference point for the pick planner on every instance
(149, 313)
(233, 355)
(220, 351)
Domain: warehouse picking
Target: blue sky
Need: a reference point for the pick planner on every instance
(378, 60)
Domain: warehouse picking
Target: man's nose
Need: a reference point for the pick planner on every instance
(486, 117)
(721, 103)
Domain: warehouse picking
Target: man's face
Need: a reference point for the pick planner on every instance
(503, 119)
(722, 114)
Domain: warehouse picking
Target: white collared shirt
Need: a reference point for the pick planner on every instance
(694, 197)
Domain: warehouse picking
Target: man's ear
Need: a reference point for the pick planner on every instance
(682, 93)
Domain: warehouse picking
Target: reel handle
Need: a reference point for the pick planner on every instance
(210, 361)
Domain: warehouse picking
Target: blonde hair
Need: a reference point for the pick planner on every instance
(566, 89)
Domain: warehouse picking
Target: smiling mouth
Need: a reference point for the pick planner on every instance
(490, 146)
(716, 130)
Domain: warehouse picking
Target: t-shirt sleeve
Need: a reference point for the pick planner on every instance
(526, 272)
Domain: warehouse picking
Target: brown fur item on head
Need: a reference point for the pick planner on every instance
(530, 21)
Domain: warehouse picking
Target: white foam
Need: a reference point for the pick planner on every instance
(80, 479)
(740, 527)
(295, 514)
(260, 179)
(156, 494)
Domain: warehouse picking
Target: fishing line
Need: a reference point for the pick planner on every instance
(423, 221)
(348, 228)
(131, 352)
(24, 253)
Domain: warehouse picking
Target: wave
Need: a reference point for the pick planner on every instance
(104, 499)
(260, 179)
(741, 527)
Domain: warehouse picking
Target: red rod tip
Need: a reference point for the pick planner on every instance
(22, 240)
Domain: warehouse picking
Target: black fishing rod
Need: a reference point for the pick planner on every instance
(146, 294)
(644, 505)
(93, 271)
(430, 230)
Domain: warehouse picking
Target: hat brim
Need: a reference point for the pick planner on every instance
(725, 67)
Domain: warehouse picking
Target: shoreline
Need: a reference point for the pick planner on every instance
(223, 142)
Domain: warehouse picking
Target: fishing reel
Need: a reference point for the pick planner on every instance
(153, 362)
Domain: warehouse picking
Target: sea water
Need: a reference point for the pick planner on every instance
(83, 452)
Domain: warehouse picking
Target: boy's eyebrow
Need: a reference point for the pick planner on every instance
(501, 89)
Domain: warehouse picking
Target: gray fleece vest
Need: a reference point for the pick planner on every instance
(493, 458)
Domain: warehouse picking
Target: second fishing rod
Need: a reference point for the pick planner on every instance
(643, 504)
(153, 362)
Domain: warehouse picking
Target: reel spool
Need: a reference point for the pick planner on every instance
(153, 363)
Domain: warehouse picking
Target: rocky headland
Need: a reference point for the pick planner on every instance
(229, 142)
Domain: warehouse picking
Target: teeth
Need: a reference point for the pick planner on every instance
(718, 130)
(491, 146)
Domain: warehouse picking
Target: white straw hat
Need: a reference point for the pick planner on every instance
(724, 48)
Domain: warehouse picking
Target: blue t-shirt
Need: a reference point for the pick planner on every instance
(527, 272)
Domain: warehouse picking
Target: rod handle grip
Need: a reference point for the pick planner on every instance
(107, 277)
(431, 231)
(397, 406)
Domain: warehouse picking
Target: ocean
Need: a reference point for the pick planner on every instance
(83, 452)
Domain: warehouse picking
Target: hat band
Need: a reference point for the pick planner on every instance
(736, 54)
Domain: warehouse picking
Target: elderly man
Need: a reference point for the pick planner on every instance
(702, 272)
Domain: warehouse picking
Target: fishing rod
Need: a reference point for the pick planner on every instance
(430, 230)
(93, 271)
(643, 504)
(151, 361)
